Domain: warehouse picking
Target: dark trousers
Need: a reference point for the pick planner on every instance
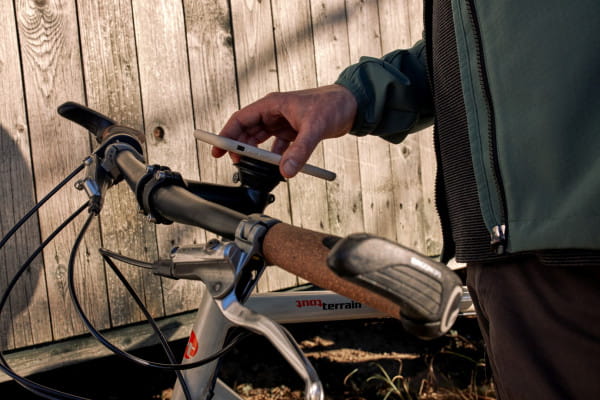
(541, 326)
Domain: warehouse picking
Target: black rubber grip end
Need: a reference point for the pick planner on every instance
(427, 291)
(91, 120)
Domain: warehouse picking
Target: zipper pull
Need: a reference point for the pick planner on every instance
(498, 241)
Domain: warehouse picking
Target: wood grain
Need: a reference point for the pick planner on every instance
(394, 20)
(52, 75)
(212, 72)
(341, 155)
(257, 76)
(26, 318)
(167, 104)
(379, 209)
(112, 88)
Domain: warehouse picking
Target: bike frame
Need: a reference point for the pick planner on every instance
(210, 329)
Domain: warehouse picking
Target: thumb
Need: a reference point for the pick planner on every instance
(296, 156)
(289, 167)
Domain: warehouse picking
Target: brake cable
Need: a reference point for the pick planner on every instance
(40, 203)
(149, 318)
(32, 386)
(114, 348)
(53, 394)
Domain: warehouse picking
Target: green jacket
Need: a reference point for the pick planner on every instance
(530, 73)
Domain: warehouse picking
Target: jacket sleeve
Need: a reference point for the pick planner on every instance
(392, 93)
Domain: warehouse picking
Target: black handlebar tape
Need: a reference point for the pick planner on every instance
(177, 204)
(427, 291)
(304, 253)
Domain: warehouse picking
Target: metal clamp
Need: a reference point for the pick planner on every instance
(110, 152)
(251, 231)
(141, 183)
(156, 176)
(95, 183)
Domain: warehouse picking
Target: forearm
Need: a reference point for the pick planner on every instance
(392, 94)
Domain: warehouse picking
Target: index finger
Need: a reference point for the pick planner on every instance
(233, 130)
(247, 125)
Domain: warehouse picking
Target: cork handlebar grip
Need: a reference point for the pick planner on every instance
(304, 253)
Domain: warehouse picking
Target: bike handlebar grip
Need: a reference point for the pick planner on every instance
(428, 291)
(90, 119)
(304, 253)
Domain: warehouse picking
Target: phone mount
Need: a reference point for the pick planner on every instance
(257, 175)
(257, 179)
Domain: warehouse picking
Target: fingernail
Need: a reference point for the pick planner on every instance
(290, 168)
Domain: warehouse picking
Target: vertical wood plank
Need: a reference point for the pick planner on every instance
(257, 76)
(167, 105)
(296, 68)
(340, 155)
(406, 160)
(212, 72)
(112, 88)
(297, 71)
(377, 183)
(431, 224)
(52, 75)
(26, 318)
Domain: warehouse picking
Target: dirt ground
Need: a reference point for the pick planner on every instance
(352, 359)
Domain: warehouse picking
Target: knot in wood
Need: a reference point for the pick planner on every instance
(159, 132)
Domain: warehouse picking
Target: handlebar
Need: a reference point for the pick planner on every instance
(405, 285)
(177, 204)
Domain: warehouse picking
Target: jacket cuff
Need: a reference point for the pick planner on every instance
(361, 126)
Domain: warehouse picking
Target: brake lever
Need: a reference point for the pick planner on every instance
(280, 337)
(248, 240)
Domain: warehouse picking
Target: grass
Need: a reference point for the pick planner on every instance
(455, 371)
(398, 385)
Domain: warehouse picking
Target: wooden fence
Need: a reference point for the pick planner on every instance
(176, 65)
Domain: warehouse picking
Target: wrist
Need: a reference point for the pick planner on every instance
(359, 126)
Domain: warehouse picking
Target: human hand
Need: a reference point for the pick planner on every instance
(298, 120)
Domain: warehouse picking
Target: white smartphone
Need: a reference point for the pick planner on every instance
(247, 150)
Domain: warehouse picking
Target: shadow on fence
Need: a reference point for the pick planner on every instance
(18, 323)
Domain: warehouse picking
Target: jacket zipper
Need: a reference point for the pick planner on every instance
(498, 232)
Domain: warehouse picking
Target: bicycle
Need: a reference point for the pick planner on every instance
(359, 276)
